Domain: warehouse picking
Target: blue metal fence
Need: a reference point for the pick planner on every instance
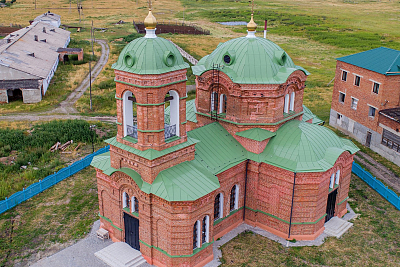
(49, 181)
(377, 185)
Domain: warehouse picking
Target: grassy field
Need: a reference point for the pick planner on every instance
(25, 157)
(49, 221)
(372, 241)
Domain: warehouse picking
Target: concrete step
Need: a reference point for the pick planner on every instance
(120, 254)
(337, 227)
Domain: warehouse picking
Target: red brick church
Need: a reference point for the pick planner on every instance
(180, 174)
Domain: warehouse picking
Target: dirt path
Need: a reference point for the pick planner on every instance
(379, 171)
(67, 106)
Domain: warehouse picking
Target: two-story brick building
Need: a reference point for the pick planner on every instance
(180, 177)
(366, 100)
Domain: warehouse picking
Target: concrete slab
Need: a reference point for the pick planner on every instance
(337, 227)
(120, 254)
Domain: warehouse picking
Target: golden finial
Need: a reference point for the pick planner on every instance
(150, 21)
(252, 26)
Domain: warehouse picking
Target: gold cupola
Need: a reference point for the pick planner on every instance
(150, 21)
(251, 26)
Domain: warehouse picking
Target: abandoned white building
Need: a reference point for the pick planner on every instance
(28, 60)
(50, 18)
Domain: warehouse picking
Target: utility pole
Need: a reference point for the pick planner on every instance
(92, 37)
(90, 67)
(35, 4)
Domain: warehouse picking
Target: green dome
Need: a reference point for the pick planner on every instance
(150, 56)
(250, 61)
(305, 147)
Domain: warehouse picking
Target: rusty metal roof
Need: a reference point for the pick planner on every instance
(391, 113)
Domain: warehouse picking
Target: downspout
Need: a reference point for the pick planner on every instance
(291, 209)
(245, 190)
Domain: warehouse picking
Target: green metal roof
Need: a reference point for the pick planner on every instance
(256, 134)
(190, 111)
(187, 181)
(253, 61)
(305, 147)
(151, 154)
(150, 56)
(218, 150)
(382, 60)
(308, 115)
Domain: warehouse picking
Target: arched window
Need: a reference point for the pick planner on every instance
(171, 126)
(332, 180)
(196, 235)
(129, 114)
(222, 103)
(135, 205)
(205, 230)
(286, 104)
(337, 177)
(233, 203)
(218, 206)
(291, 102)
(214, 101)
(125, 200)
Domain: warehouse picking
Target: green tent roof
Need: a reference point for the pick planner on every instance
(187, 181)
(382, 60)
(150, 56)
(305, 147)
(256, 134)
(218, 150)
(252, 61)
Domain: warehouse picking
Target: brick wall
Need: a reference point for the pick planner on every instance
(387, 97)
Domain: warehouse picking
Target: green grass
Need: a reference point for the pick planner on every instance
(52, 219)
(372, 241)
(32, 151)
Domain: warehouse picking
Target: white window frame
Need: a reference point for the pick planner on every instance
(376, 110)
(286, 104)
(207, 229)
(174, 110)
(352, 101)
(133, 200)
(124, 196)
(344, 98)
(332, 181)
(292, 96)
(373, 87)
(198, 240)
(337, 177)
(355, 79)
(221, 206)
(347, 73)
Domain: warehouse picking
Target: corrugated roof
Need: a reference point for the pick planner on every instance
(256, 134)
(253, 61)
(151, 154)
(382, 60)
(149, 57)
(37, 58)
(218, 150)
(187, 181)
(308, 115)
(48, 16)
(305, 147)
(391, 113)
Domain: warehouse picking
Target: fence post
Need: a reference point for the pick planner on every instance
(24, 194)
(40, 185)
(7, 203)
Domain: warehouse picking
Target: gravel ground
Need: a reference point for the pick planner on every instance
(80, 254)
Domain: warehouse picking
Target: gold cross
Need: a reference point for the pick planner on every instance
(149, 4)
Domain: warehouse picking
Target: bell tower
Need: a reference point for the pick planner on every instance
(150, 77)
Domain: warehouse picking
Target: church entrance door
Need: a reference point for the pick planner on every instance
(330, 206)
(131, 231)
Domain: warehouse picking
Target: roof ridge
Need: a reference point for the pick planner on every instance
(394, 62)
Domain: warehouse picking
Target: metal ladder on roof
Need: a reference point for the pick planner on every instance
(214, 96)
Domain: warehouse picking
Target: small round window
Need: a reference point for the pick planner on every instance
(129, 60)
(169, 58)
(227, 59)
